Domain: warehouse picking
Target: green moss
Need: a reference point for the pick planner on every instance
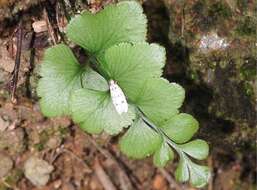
(64, 131)
(39, 146)
(199, 6)
(252, 187)
(248, 70)
(223, 63)
(219, 114)
(43, 138)
(194, 76)
(14, 177)
(246, 27)
(242, 4)
(249, 91)
(211, 14)
(220, 10)
(3, 186)
(212, 64)
(3, 93)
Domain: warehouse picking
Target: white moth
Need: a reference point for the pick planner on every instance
(118, 98)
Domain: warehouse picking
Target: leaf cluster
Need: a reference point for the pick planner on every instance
(115, 41)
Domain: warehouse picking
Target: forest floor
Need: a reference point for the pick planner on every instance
(76, 160)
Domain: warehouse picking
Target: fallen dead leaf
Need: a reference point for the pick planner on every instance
(6, 62)
(159, 183)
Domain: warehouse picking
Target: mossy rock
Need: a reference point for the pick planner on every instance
(212, 53)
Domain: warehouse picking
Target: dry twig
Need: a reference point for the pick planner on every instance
(124, 185)
(16, 69)
(50, 28)
(131, 183)
(62, 150)
(169, 178)
(102, 176)
(210, 164)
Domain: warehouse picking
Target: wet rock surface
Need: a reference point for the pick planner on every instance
(214, 34)
(211, 47)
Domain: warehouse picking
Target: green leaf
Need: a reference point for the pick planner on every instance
(160, 100)
(94, 112)
(93, 80)
(140, 140)
(163, 155)
(121, 22)
(187, 170)
(60, 73)
(199, 175)
(181, 127)
(198, 149)
(131, 65)
(182, 173)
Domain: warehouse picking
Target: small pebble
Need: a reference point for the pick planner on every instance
(38, 171)
(39, 26)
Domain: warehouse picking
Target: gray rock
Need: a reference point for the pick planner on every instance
(6, 165)
(38, 171)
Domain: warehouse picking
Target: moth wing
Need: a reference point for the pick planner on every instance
(118, 99)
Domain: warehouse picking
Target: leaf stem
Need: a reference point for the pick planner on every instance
(98, 67)
(161, 132)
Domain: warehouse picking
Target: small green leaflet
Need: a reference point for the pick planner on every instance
(121, 22)
(182, 172)
(181, 127)
(94, 112)
(160, 100)
(197, 149)
(187, 170)
(93, 80)
(140, 140)
(130, 65)
(60, 73)
(163, 155)
(198, 175)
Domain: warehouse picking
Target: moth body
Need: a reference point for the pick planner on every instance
(118, 98)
